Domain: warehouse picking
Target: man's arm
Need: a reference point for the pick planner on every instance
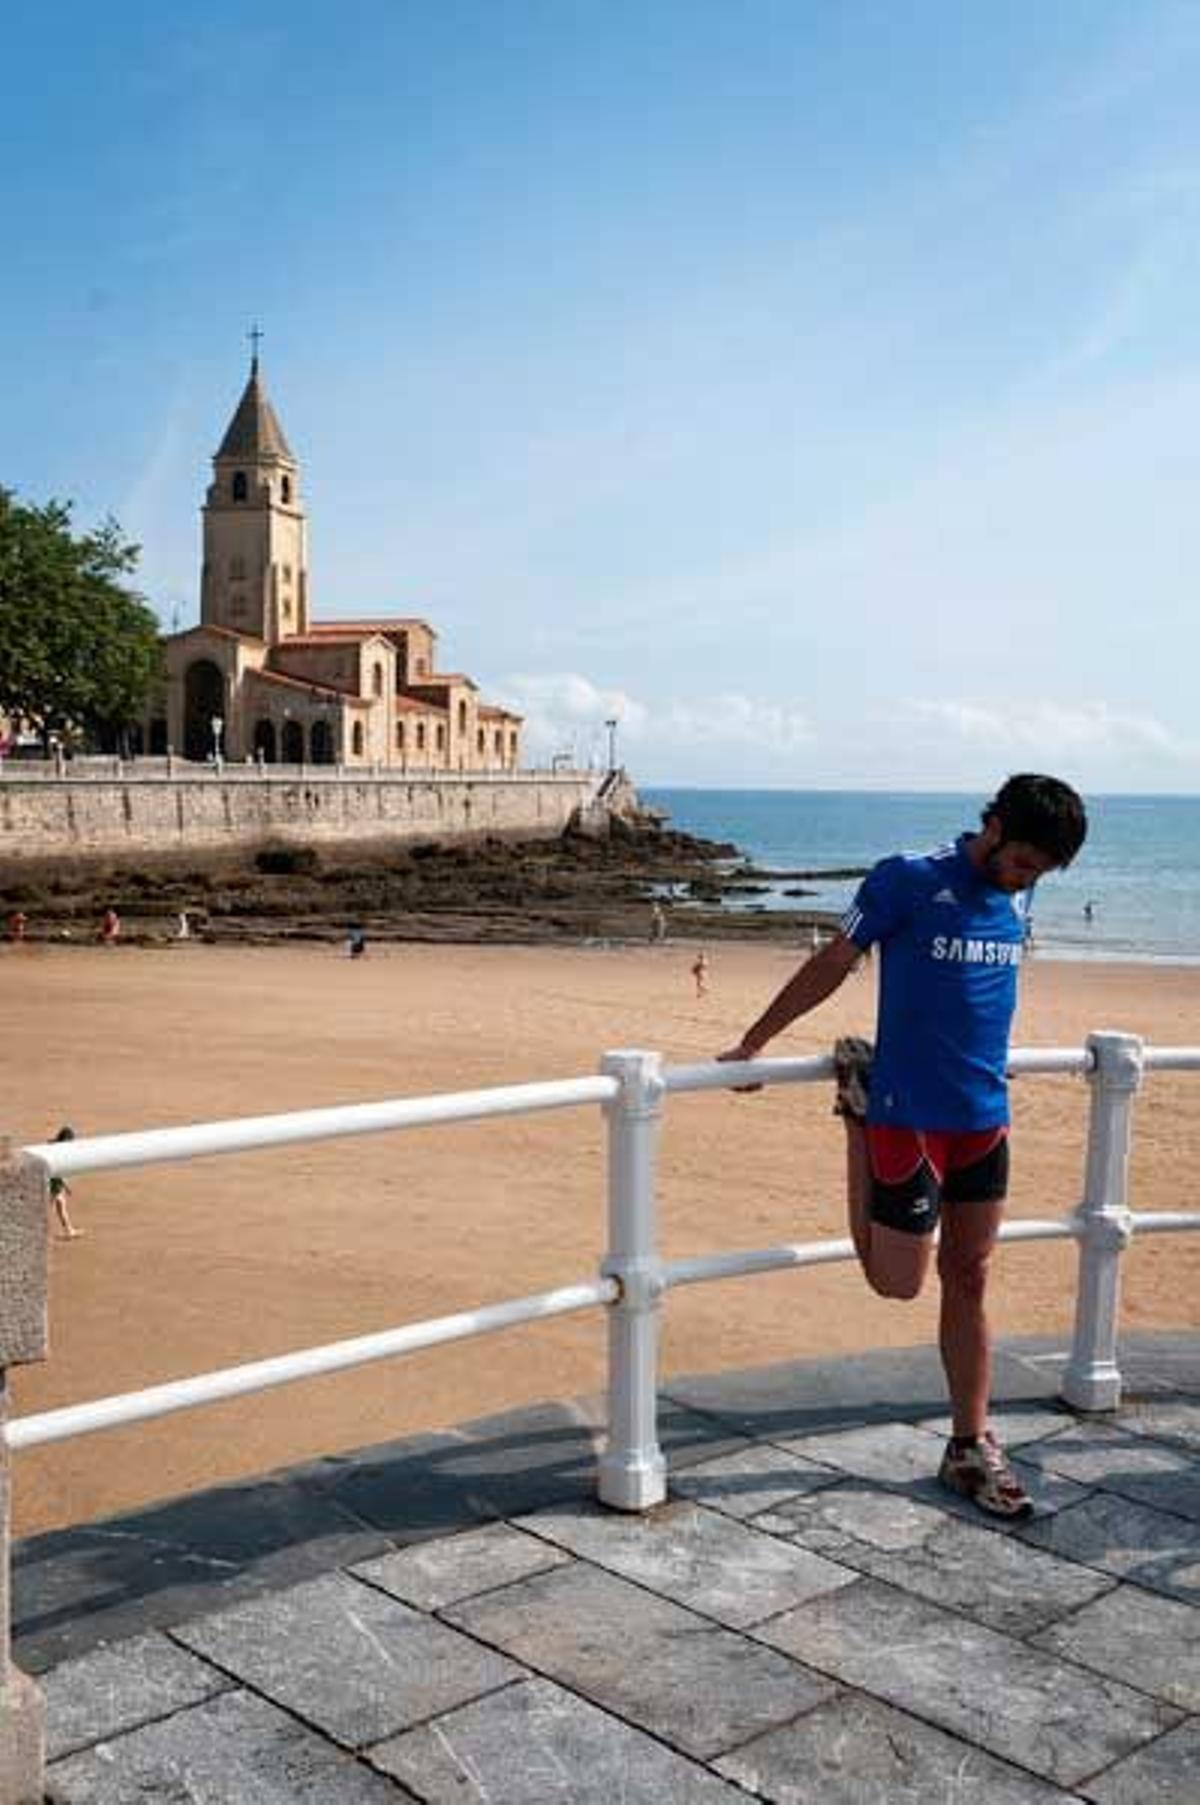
(815, 980)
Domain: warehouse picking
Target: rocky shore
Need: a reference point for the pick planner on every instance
(573, 889)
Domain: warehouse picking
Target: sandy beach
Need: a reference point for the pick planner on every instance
(186, 1268)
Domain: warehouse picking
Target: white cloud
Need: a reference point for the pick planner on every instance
(567, 712)
(1050, 728)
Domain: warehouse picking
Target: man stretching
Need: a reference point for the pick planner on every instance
(927, 1116)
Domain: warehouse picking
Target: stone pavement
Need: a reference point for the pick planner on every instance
(809, 1618)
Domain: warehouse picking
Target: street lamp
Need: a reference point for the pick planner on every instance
(612, 743)
(217, 725)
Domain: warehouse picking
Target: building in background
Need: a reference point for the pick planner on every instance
(260, 679)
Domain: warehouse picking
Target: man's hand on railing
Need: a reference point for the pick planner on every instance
(735, 1055)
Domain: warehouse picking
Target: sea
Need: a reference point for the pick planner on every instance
(1132, 894)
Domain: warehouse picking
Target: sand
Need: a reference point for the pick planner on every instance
(196, 1266)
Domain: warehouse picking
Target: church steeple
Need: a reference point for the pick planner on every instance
(255, 577)
(254, 433)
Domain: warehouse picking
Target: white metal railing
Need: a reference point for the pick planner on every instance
(632, 1087)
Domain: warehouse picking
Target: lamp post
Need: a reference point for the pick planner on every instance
(218, 726)
(612, 743)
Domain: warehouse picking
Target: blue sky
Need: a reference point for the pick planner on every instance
(813, 386)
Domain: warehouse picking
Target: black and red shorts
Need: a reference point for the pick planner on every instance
(915, 1170)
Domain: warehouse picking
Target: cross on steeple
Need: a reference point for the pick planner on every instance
(254, 335)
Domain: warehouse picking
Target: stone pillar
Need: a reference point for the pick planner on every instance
(24, 1202)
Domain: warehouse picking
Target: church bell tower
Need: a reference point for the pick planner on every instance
(255, 575)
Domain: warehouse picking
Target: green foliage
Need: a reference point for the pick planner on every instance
(79, 652)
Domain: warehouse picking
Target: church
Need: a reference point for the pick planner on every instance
(260, 680)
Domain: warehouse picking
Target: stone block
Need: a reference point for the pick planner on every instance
(1017, 1702)
(535, 1744)
(22, 1740)
(1132, 1634)
(117, 1689)
(700, 1688)
(431, 1574)
(232, 1750)
(993, 1579)
(1164, 1774)
(856, 1751)
(24, 1236)
(756, 1479)
(1131, 1541)
(696, 1557)
(357, 1664)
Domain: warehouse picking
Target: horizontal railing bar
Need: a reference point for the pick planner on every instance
(1171, 1059)
(242, 1134)
(814, 1068)
(305, 1363)
(1165, 1222)
(790, 1254)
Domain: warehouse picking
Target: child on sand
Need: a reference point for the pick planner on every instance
(700, 972)
(60, 1190)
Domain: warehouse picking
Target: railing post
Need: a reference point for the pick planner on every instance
(24, 1198)
(633, 1473)
(1103, 1223)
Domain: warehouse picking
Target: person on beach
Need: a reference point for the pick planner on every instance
(109, 931)
(700, 973)
(60, 1190)
(926, 1110)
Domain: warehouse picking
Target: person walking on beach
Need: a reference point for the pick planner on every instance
(700, 973)
(60, 1190)
(926, 1110)
(109, 931)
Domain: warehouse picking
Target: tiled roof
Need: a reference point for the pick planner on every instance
(254, 432)
(324, 689)
(380, 625)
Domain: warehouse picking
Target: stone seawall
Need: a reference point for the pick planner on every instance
(136, 816)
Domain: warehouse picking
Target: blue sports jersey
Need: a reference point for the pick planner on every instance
(950, 944)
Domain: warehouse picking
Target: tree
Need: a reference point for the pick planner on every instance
(79, 652)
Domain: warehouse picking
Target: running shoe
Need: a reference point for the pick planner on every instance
(980, 1472)
(852, 1073)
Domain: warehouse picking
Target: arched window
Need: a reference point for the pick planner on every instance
(422, 667)
(512, 745)
(358, 739)
(499, 744)
(321, 740)
(441, 737)
(264, 741)
(480, 741)
(399, 736)
(240, 486)
(293, 743)
(462, 717)
(420, 736)
(285, 488)
(237, 570)
(376, 679)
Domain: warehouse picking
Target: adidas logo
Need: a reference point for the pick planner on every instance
(946, 896)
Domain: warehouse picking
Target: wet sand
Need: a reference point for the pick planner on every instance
(183, 1269)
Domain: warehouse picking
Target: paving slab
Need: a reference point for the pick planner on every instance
(77, 1588)
(115, 1689)
(701, 1688)
(1162, 1774)
(432, 1574)
(1132, 1541)
(753, 1479)
(535, 1744)
(856, 1751)
(234, 1750)
(1015, 1424)
(1119, 1459)
(347, 1658)
(1149, 1642)
(695, 1556)
(933, 1554)
(1017, 1702)
(1170, 1419)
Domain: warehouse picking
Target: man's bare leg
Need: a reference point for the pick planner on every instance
(969, 1233)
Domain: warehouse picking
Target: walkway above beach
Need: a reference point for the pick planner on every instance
(810, 1618)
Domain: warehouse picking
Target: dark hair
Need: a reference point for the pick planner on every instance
(65, 1133)
(1043, 812)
